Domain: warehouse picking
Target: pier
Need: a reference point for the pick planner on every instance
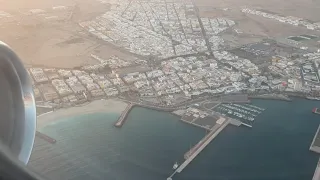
(45, 137)
(316, 175)
(123, 116)
(193, 152)
(315, 147)
(207, 139)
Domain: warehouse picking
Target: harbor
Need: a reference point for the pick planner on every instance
(155, 133)
(214, 117)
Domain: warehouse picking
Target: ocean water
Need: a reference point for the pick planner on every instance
(146, 147)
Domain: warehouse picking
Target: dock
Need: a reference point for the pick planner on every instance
(193, 152)
(123, 116)
(235, 98)
(316, 175)
(235, 122)
(45, 137)
(315, 147)
(271, 97)
(206, 140)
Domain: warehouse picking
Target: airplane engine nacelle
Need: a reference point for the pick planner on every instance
(17, 106)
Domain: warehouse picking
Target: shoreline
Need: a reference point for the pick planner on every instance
(103, 106)
(271, 97)
(118, 106)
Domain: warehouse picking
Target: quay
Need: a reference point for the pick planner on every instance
(157, 108)
(316, 175)
(45, 137)
(271, 97)
(193, 152)
(315, 147)
(235, 98)
(221, 124)
(214, 122)
(195, 124)
(123, 116)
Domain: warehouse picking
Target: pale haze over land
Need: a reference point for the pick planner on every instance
(39, 45)
(201, 57)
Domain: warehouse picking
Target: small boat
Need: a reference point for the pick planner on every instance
(175, 166)
(316, 110)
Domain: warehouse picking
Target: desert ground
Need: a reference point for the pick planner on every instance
(60, 44)
(64, 44)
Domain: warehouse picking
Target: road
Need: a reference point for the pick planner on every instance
(202, 28)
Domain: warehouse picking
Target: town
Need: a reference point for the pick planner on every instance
(202, 64)
(177, 57)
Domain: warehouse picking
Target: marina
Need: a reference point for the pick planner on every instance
(255, 107)
(246, 113)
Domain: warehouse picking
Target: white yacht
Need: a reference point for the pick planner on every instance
(175, 166)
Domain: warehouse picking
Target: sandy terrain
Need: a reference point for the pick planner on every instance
(253, 27)
(48, 46)
(308, 9)
(55, 44)
(105, 106)
(66, 45)
(62, 45)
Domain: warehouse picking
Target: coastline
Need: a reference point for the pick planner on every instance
(270, 97)
(119, 105)
(104, 106)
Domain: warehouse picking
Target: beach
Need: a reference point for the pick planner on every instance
(104, 106)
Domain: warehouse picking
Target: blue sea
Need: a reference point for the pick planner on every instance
(150, 142)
